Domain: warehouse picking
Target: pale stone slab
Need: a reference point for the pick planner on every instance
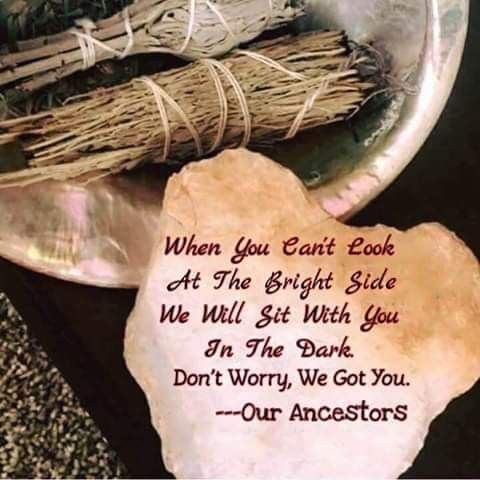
(436, 343)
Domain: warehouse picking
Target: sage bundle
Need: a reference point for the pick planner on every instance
(266, 94)
(191, 29)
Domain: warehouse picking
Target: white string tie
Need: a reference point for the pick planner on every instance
(270, 12)
(225, 24)
(223, 104)
(242, 100)
(271, 63)
(162, 96)
(270, 7)
(307, 106)
(191, 24)
(129, 30)
(87, 42)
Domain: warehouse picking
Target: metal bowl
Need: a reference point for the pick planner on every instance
(102, 233)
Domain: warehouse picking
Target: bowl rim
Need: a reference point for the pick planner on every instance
(345, 195)
(439, 66)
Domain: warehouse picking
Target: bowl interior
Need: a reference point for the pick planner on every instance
(395, 28)
(102, 233)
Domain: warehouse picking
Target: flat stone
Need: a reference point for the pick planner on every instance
(431, 348)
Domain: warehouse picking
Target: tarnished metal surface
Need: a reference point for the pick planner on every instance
(102, 233)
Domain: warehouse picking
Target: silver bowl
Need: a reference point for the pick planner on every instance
(102, 234)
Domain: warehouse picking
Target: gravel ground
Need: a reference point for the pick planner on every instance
(44, 432)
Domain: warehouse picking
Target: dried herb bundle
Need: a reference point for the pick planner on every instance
(24, 23)
(262, 95)
(189, 28)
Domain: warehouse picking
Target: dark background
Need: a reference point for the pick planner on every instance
(82, 327)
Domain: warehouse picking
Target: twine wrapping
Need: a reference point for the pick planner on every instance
(87, 42)
(192, 29)
(266, 95)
